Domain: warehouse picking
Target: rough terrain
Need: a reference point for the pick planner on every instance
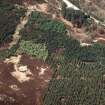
(23, 80)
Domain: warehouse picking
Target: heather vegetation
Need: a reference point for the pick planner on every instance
(78, 72)
(35, 50)
(94, 8)
(79, 78)
(46, 24)
(77, 17)
(44, 30)
(81, 68)
(80, 84)
(10, 17)
(8, 52)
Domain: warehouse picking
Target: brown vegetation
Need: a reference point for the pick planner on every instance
(14, 92)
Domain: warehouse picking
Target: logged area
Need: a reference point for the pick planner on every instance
(22, 80)
(52, 52)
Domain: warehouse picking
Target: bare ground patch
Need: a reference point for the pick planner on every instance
(27, 92)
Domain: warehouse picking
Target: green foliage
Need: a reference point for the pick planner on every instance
(82, 76)
(5, 6)
(8, 52)
(46, 24)
(10, 17)
(55, 41)
(75, 16)
(81, 69)
(81, 83)
(33, 49)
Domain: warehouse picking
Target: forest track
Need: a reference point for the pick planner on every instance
(20, 26)
(78, 34)
(24, 20)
